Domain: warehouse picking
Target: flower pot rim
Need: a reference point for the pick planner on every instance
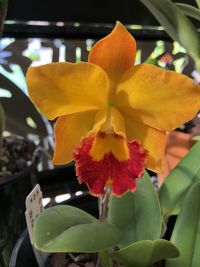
(13, 178)
(16, 248)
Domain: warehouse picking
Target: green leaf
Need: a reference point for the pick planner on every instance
(146, 252)
(178, 182)
(189, 10)
(196, 138)
(64, 228)
(186, 233)
(198, 3)
(137, 214)
(105, 258)
(176, 24)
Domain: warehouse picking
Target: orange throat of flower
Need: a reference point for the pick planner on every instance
(108, 159)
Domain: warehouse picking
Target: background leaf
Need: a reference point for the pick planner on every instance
(137, 214)
(176, 25)
(146, 252)
(189, 10)
(186, 233)
(198, 3)
(64, 228)
(178, 182)
(2, 124)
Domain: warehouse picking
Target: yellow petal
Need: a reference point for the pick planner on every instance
(117, 122)
(104, 144)
(110, 135)
(100, 119)
(59, 89)
(151, 139)
(161, 99)
(109, 120)
(115, 53)
(68, 132)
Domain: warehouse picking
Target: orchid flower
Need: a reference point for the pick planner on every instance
(112, 116)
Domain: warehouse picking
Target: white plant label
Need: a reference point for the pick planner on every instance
(33, 208)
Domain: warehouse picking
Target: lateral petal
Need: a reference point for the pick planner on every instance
(68, 132)
(59, 89)
(115, 53)
(151, 139)
(161, 99)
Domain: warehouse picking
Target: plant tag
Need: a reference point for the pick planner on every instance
(33, 208)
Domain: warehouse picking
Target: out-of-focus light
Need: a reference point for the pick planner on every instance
(5, 93)
(39, 23)
(63, 197)
(76, 24)
(78, 54)
(78, 193)
(134, 27)
(89, 44)
(31, 123)
(60, 23)
(10, 21)
(6, 133)
(45, 201)
(140, 27)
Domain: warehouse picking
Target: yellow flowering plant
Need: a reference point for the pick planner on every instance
(112, 119)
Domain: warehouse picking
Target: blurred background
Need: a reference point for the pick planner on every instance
(39, 32)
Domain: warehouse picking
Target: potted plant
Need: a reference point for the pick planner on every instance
(145, 195)
(17, 176)
(112, 120)
(54, 183)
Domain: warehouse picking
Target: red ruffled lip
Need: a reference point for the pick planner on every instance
(121, 175)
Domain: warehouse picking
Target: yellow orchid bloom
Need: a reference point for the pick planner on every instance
(112, 116)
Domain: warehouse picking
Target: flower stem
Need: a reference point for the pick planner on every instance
(103, 213)
(103, 205)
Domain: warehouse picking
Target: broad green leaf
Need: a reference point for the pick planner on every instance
(146, 252)
(177, 25)
(189, 10)
(137, 214)
(64, 228)
(186, 233)
(198, 3)
(178, 182)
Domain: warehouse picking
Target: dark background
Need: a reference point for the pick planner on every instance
(85, 11)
